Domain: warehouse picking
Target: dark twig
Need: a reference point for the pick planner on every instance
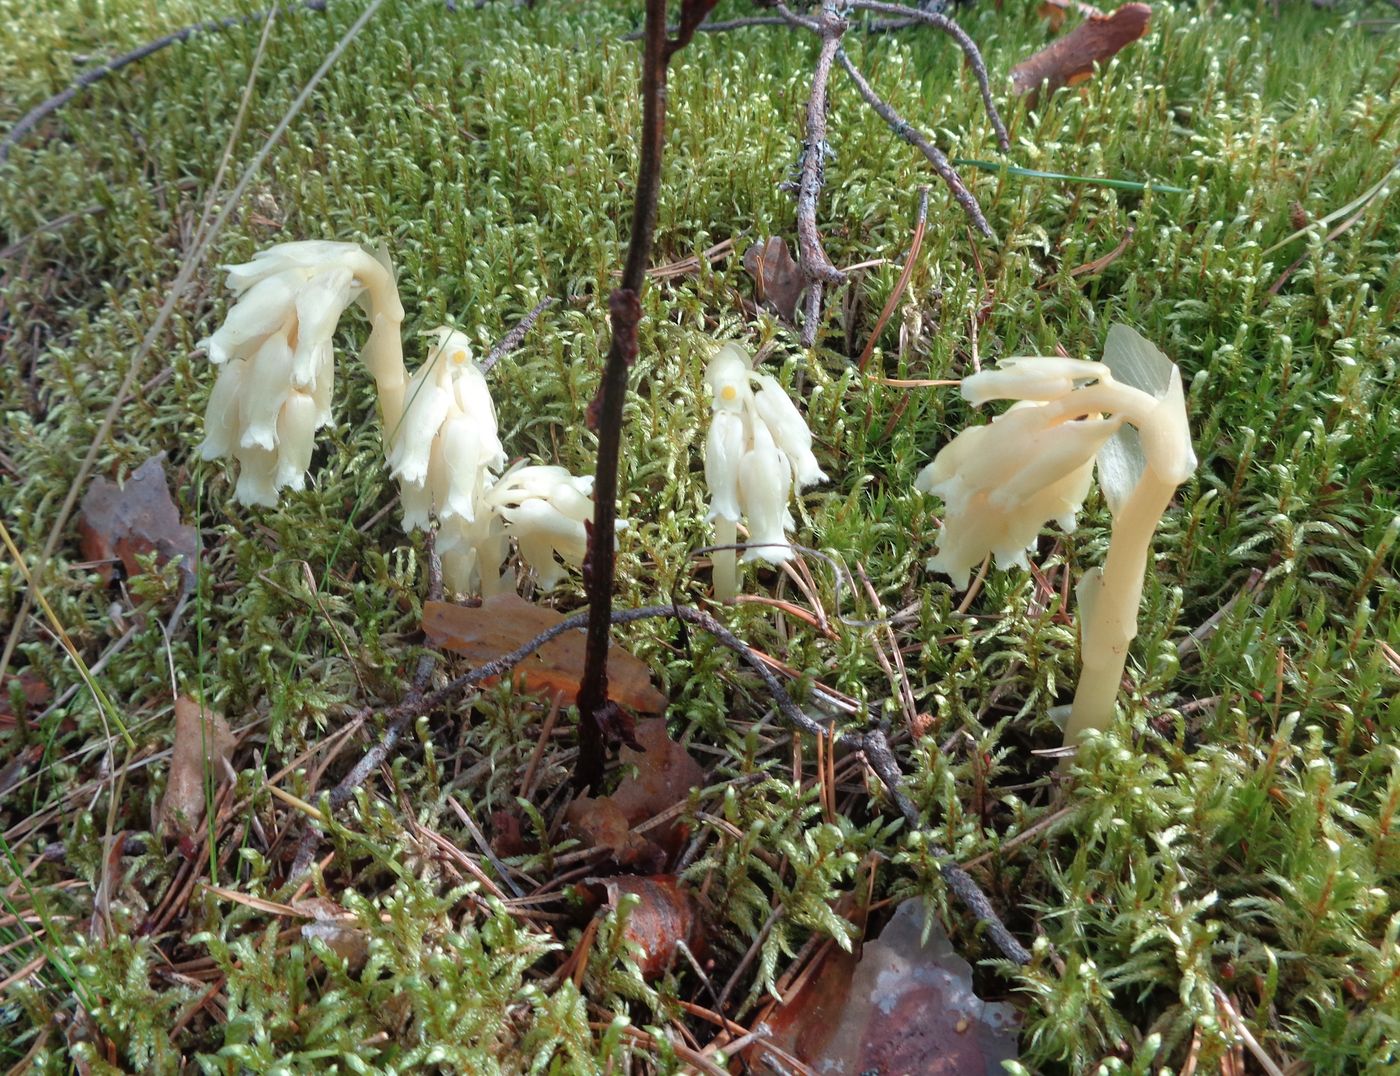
(872, 742)
(915, 138)
(816, 266)
(38, 113)
(968, 46)
(512, 339)
(605, 412)
(411, 707)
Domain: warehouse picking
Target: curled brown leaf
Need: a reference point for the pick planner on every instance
(1071, 59)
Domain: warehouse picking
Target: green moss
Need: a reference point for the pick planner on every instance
(1236, 831)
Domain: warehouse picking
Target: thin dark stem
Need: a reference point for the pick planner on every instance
(915, 138)
(968, 46)
(872, 741)
(605, 413)
(512, 339)
(41, 111)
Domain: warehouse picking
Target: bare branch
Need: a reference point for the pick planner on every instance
(872, 742)
(512, 339)
(969, 47)
(915, 138)
(44, 109)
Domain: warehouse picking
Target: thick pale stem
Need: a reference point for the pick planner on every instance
(1109, 599)
(725, 562)
(1108, 602)
(383, 351)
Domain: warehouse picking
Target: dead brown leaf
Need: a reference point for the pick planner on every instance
(777, 277)
(665, 915)
(1070, 60)
(337, 928)
(32, 691)
(120, 523)
(600, 823)
(202, 737)
(904, 1006)
(503, 622)
(666, 773)
(1054, 11)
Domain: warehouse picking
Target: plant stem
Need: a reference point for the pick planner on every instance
(605, 413)
(1108, 602)
(724, 563)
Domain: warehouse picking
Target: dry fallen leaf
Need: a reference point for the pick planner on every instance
(777, 277)
(666, 773)
(665, 776)
(337, 928)
(664, 916)
(503, 622)
(121, 523)
(600, 823)
(906, 1006)
(201, 737)
(1070, 60)
(32, 691)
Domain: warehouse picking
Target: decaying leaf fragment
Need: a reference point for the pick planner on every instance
(777, 278)
(664, 916)
(1070, 60)
(908, 1008)
(502, 622)
(202, 737)
(665, 776)
(122, 523)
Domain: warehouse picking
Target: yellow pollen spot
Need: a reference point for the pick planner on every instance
(729, 392)
(459, 356)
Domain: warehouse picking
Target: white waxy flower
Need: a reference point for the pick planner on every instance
(445, 447)
(277, 361)
(757, 450)
(764, 484)
(1029, 378)
(1002, 482)
(789, 430)
(545, 508)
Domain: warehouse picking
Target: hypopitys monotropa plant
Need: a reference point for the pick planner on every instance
(1000, 483)
(757, 450)
(277, 371)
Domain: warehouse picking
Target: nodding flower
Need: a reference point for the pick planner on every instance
(276, 357)
(759, 448)
(1002, 482)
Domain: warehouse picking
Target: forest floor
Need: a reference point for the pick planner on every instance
(1212, 886)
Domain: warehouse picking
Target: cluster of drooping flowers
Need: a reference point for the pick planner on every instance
(276, 359)
(440, 435)
(447, 454)
(1001, 482)
(757, 450)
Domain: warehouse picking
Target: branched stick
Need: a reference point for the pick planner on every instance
(915, 138)
(41, 111)
(816, 266)
(872, 742)
(968, 46)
